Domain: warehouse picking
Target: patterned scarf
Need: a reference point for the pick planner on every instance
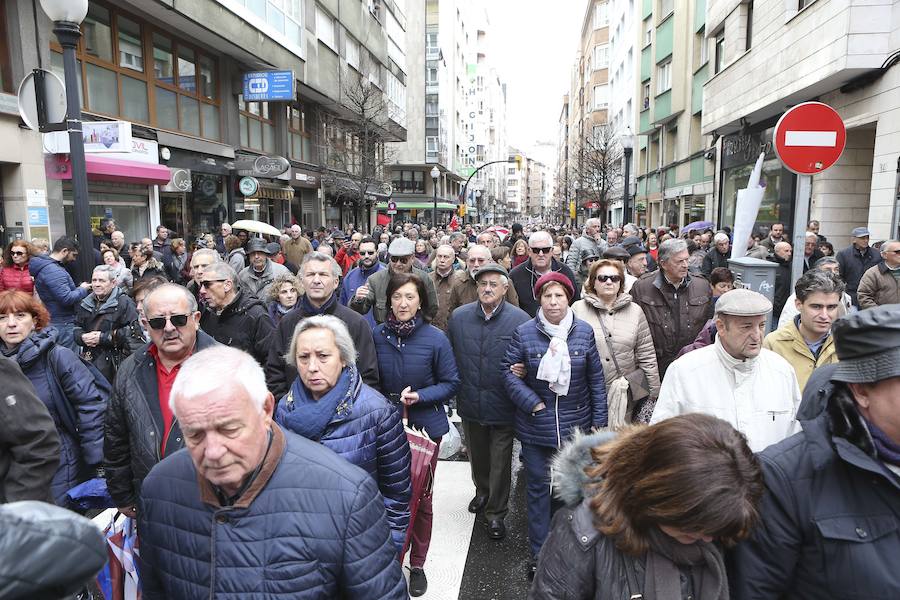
(403, 329)
(309, 417)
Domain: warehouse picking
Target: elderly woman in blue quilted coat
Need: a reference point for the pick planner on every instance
(329, 403)
(418, 371)
(562, 389)
(61, 381)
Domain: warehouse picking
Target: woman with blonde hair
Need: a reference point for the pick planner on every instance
(624, 342)
(649, 511)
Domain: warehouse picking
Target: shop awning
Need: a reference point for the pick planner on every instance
(100, 168)
(274, 191)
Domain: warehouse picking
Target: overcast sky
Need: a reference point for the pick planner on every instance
(534, 45)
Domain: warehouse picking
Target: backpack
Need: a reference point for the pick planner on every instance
(67, 416)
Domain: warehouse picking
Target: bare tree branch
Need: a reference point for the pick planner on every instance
(597, 167)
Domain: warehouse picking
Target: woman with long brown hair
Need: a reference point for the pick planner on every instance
(649, 511)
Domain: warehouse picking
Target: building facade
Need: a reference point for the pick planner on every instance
(622, 51)
(850, 51)
(673, 164)
(175, 142)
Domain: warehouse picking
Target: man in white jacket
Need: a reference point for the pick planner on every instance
(735, 378)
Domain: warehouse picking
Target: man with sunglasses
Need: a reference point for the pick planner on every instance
(140, 429)
(232, 317)
(540, 261)
(367, 266)
(373, 294)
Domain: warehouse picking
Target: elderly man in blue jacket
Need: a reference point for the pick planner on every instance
(830, 520)
(249, 510)
(480, 333)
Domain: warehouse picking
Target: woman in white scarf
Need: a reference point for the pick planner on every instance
(556, 381)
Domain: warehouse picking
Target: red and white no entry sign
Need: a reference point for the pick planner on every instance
(809, 138)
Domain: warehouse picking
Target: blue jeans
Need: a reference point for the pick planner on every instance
(538, 498)
(66, 336)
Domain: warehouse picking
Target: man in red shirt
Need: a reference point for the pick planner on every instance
(140, 428)
(349, 252)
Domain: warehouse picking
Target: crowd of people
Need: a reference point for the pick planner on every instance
(680, 436)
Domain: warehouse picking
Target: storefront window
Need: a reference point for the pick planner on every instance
(177, 91)
(208, 208)
(127, 204)
(777, 204)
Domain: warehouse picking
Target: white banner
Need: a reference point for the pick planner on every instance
(748, 203)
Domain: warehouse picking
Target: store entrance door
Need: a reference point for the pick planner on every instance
(175, 214)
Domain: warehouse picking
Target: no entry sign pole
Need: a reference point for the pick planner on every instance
(809, 138)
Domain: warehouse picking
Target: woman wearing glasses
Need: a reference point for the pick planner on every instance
(14, 275)
(61, 381)
(624, 342)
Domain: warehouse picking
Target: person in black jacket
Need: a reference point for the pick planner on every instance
(717, 256)
(140, 429)
(541, 261)
(856, 259)
(320, 276)
(29, 444)
(232, 317)
(102, 322)
(144, 263)
(782, 258)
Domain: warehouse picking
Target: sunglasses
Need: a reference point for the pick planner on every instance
(17, 253)
(208, 283)
(613, 278)
(158, 323)
(546, 250)
(401, 259)
(367, 252)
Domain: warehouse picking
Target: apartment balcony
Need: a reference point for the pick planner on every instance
(796, 56)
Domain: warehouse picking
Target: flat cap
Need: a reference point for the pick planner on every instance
(491, 267)
(616, 253)
(868, 345)
(402, 247)
(257, 245)
(633, 245)
(860, 232)
(743, 303)
(589, 255)
(273, 248)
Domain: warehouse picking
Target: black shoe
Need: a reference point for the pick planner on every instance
(477, 504)
(532, 569)
(418, 583)
(496, 529)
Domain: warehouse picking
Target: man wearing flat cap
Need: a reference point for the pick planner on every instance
(373, 293)
(480, 333)
(856, 259)
(255, 279)
(830, 522)
(735, 378)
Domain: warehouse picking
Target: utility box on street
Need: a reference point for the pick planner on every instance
(757, 275)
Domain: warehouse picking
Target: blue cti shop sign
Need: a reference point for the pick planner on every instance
(269, 86)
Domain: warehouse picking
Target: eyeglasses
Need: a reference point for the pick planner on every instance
(367, 252)
(402, 259)
(488, 284)
(897, 252)
(209, 282)
(158, 323)
(546, 250)
(591, 259)
(613, 278)
(17, 253)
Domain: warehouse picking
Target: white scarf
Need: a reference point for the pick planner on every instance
(556, 366)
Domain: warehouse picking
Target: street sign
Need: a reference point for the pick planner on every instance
(269, 86)
(248, 186)
(41, 107)
(392, 208)
(809, 138)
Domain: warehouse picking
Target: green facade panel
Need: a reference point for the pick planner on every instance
(644, 121)
(647, 9)
(700, 78)
(699, 14)
(665, 38)
(662, 106)
(646, 63)
(698, 168)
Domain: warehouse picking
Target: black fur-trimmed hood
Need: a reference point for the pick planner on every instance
(569, 478)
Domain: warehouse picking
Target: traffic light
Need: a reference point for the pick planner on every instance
(462, 210)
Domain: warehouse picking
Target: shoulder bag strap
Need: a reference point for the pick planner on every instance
(608, 343)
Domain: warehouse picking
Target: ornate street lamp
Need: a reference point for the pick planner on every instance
(67, 16)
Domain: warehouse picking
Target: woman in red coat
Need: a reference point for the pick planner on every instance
(14, 275)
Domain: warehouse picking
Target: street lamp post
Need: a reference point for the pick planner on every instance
(67, 16)
(477, 206)
(627, 141)
(435, 173)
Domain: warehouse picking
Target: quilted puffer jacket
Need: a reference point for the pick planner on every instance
(314, 529)
(55, 287)
(244, 324)
(585, 404)
(371, 437)
(133, 430)
(479, 347)
(577, 561)
(424, 361)
(16, 277)
(113, 318)
(66, 387)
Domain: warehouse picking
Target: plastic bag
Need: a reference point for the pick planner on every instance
(451, 442)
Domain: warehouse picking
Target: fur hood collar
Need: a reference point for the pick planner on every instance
(570, 462)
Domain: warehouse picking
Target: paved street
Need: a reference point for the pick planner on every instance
(463, 562)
